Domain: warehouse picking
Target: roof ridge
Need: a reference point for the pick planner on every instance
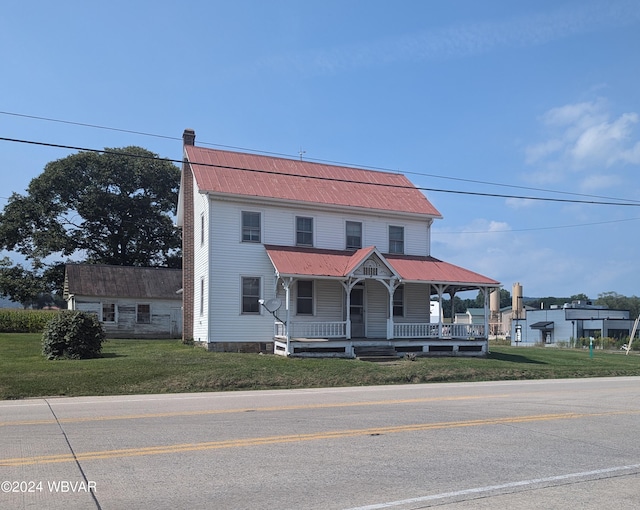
(249, 175)
(349, 166)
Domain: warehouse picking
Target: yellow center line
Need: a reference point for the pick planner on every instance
(295, 438)
(245, 410)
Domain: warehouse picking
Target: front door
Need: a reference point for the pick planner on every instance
(356, 311)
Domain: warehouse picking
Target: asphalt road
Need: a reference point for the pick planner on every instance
(534, 444)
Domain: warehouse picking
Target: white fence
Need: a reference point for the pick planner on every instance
(429, 330)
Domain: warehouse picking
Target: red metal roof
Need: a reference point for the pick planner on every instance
(253, 175)
(295, 261)
(429, 269)
(290, 260)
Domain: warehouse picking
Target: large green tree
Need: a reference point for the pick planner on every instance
(112, 207)
(19, 284)
(37, 287)
(617, 301)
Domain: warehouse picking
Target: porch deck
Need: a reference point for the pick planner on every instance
(343, 348)
(331, 339)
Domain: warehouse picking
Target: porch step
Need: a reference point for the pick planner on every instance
(376, 353)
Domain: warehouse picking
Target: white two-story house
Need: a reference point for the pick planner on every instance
(313, 259)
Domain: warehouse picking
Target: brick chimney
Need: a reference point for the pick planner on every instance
(188, 233)
(189, 137)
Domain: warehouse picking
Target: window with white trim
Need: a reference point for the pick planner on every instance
(396, 239)
(201, 296)
(354, 235)
(304, 231)
(250, 294)
(202, 229)
(304, 303)
(250, 227)
(398, 302)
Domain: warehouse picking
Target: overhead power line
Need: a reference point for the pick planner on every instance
(317, 160)
(94, 126)
(555, 227)
(333, 179)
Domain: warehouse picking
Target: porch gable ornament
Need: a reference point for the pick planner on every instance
(370, 268)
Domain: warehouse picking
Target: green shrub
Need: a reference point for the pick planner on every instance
(73, 335)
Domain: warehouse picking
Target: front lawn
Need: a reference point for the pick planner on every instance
(168, 366)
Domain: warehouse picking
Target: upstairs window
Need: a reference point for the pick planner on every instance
(354, 235)
(304, 303)
(396, 239)
(304, 231)
(143, 314)
(250, 227)
(202, 229)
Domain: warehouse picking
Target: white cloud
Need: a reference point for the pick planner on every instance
(603, 143)
(587, 142)
(539, 264)
(580, 115)
(542, 150)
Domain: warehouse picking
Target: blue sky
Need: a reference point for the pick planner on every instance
(527, 98)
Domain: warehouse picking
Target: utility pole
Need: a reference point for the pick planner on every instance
(633, 334)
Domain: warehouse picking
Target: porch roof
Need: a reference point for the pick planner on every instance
(315, 262)
(429, 269)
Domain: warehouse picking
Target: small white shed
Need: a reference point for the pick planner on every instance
(131, 302)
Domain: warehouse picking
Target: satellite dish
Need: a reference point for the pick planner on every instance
(272, 305)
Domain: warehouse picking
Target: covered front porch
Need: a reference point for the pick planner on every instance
(335, 303)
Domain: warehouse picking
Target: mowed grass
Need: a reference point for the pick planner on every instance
(168, 366)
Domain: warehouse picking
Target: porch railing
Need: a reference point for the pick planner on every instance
(338, 329)
(430, 330)
(335, 329)
(415, 330)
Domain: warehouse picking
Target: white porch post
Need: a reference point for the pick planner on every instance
(287, 302)
(348, 324)
(348, 286)
(486, 293)
(391, 290)
(393, 285)
(440, 289)
(452, 297)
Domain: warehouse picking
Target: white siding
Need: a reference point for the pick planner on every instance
(329, 229)
(225, 259)
(229, 260)
(328, 302)
(416, 304)
(201, 266)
